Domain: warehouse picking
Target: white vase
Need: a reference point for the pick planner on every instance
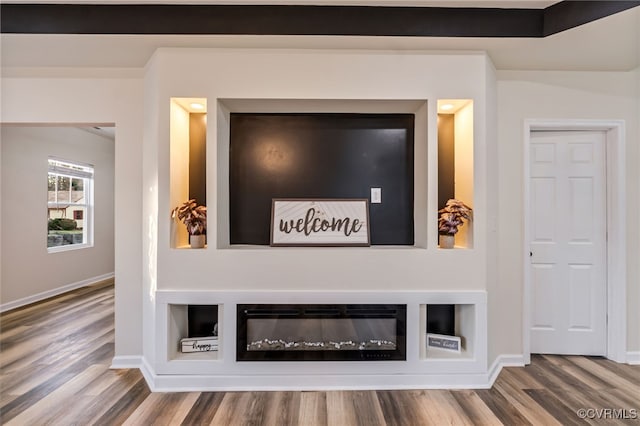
(447, 241)
(197, 241)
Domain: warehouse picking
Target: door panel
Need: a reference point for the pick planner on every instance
(568, 242)
(581, 195)
(580, 282)
(543, 191)
(542, 285)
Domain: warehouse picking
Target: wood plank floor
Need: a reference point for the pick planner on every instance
(54, 370)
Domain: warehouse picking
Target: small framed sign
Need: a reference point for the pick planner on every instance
(320, 222)
(199, 344)
(440, 341)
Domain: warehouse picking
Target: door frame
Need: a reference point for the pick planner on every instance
(616, 224)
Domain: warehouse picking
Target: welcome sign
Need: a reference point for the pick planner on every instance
(320, 222)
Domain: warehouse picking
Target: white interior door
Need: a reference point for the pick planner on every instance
(568, 243)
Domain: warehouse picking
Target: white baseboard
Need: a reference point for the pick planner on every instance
(204, 382)
(54, 292)
(305, 382)
(504, 361)
(148, 374)
(308, 382)
(633, 358)
(126, 362)
(135, 361)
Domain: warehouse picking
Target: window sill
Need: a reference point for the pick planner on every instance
(69, 247)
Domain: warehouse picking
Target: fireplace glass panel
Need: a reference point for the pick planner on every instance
(321, 332)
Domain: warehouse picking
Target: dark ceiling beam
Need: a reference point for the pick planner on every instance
(269, 20)
(565, 15)
(301, 20)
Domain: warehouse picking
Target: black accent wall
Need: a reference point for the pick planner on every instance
(441, 319)
(202, 320)
(446, 158)
(198, 157)
(321, 156)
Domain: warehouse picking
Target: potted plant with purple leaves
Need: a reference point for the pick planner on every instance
(452, 216)
(194, 216)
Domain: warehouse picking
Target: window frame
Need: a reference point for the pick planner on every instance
(86, 172)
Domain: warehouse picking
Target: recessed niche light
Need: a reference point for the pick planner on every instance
(446, 107)
(196, 105)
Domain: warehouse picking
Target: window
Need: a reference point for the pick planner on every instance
(69, 205)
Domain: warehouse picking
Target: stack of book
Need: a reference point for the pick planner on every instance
(199, 344)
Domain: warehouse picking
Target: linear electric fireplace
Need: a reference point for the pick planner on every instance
(321, 332)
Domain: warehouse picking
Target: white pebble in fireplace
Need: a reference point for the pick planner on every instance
(313, 332)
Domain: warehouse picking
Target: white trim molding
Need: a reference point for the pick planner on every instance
(54, 292)
(616, 223)
(316, 382)
(127, 361)
(313, 382)
(633, 357)
(501, 362)
(137, 362)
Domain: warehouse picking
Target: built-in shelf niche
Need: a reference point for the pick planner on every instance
(221, 370)
(187, 159)
(455, 159)
(192, 321)
(226, 107)
(465, 328)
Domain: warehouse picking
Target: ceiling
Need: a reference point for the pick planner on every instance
(108, 132)
(608, 44)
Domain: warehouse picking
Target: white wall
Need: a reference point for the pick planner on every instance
(81, 97)
(25, 151)
(150, 166)
(493, 177)
(633, 292)
(464, 170)
(1, 204)
(179, 169)
(229, 79)
(556, 95)
(313, 75)
(326, 75)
